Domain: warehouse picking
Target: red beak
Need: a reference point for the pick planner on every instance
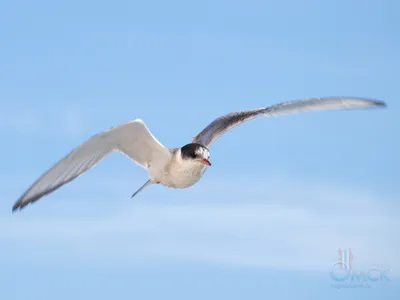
(205, 162)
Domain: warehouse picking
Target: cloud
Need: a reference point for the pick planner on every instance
(25, 122)
(72, 122)
(67, 123)
(276, 233)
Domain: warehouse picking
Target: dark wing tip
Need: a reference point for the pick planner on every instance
(20, 204)
(15, 207)
(377, 102)
(369, 102)
(380, 103)
(24, 200)
(372, 102)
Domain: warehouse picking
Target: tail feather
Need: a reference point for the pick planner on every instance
(148, 182)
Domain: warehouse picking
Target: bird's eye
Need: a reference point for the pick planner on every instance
(193, 155)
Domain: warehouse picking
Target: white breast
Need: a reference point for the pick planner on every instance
(181, 173)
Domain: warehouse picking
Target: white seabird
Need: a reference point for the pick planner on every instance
(172, 167)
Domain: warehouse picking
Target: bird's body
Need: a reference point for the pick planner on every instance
(172, 167)
(179, 173)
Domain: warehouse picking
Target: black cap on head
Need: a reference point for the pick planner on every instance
(194, 151)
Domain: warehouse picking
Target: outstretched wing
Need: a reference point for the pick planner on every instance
(221, 125)
(131, 138)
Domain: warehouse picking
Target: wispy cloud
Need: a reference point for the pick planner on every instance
(67, 122)
(21, 123)
(72, 122)
(275, 233)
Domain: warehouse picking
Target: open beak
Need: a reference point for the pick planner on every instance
(205, 162)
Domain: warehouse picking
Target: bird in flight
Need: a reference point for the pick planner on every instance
(171, 167)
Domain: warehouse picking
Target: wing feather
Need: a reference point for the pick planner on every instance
(131, 138)
(223, 124)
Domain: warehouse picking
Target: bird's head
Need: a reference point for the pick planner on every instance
(196, 153)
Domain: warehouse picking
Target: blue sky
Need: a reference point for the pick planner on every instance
(258, 226)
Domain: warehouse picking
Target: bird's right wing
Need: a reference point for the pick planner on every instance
(223, 124)
(132, 138)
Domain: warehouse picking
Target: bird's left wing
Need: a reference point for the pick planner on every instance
(131, 138)
(221, 125)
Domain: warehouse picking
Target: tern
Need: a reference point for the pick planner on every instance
(171, 167)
